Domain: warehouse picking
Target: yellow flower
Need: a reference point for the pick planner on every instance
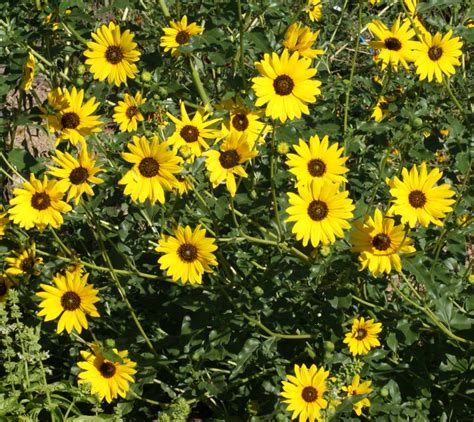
(374, 2)
(24, 262)
(411, 6)
(112, 55)
(380, 109)
(74, 121)
(245, 122)
(5, 285)
(437, 55)
(463, 219)
(394, 44)
(3, 221)
(317, 160)
(355, 388)
(304, 392)
(154, 167)
(441, 156)
(187, 255)
(283, 148)
(38, 204)
(28, 73)
(107, 378)
(363, 336)
(417, 199)
(179, 33)
(300, 38)
(444, 132)
(183, 185)
(224, 164)
(72, 298)
(320, 211)
(285, 85)
(314, 10)
(380, 242)
(127, 112)
(76, 173)
(192, 132)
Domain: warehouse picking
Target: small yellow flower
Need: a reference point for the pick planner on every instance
(444, 132)
(314, 10)
(463, 219)
(441, 156)
(127, 112)
(24, 262)
(363, 336)
(300, 38)
(28, 73)
(183, 185)
(3, 221)
(380, 109)
(283, 148)
(179, 33)
(107, 378)
(354, 389)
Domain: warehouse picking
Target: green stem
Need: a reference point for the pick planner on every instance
(75, 33)
(61, 243)
(241, 42)
(164, 9)
(198, 83)
(273, 186)
(453, 97)
(351, 76)
(428, 312)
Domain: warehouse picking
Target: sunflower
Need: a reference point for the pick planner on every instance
(320, 212)
(304, 392)
(76, 173)
(72, 120)
(72, 298)
(107, 378)
(179, 34)
(227, 162)
(380, 109)
(192, 133)
(3, 221)
(127, 112)
(24, 262)
(299, 38)
(417, 199)
(394, 44)
(415, 18)
(39, 203)
(363, 336)
(380, 242)
(437, 55)
(28, 73)
(154, 167)
(285, 85)
(182, 186)
(244, 121)
(317, 161)
(187, 255)
(5, 285)
(113, 55)
(314, 10)
(355, 388)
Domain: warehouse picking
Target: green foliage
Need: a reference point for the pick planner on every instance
(219, 351)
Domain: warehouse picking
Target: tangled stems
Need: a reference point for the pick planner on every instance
(351, 76)
(99, 236)
(425, 309)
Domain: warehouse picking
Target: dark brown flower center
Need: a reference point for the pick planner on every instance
(40, 201)
(393, 44)
(435, 53)
(309, 394)
(187, 252)
(361, 334)
(131, 111)
(229, 158)
(317, 210)
(70, 301)
(316, 168)
(78, 175)
(189, 133)
(381, 242)
(70, 120)
(182, 37)
(114, 54)
(27, 264)
(283, 85)
(3, 288)
(417, 199)
(240, 122)
(107, 369)
(149, 167)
